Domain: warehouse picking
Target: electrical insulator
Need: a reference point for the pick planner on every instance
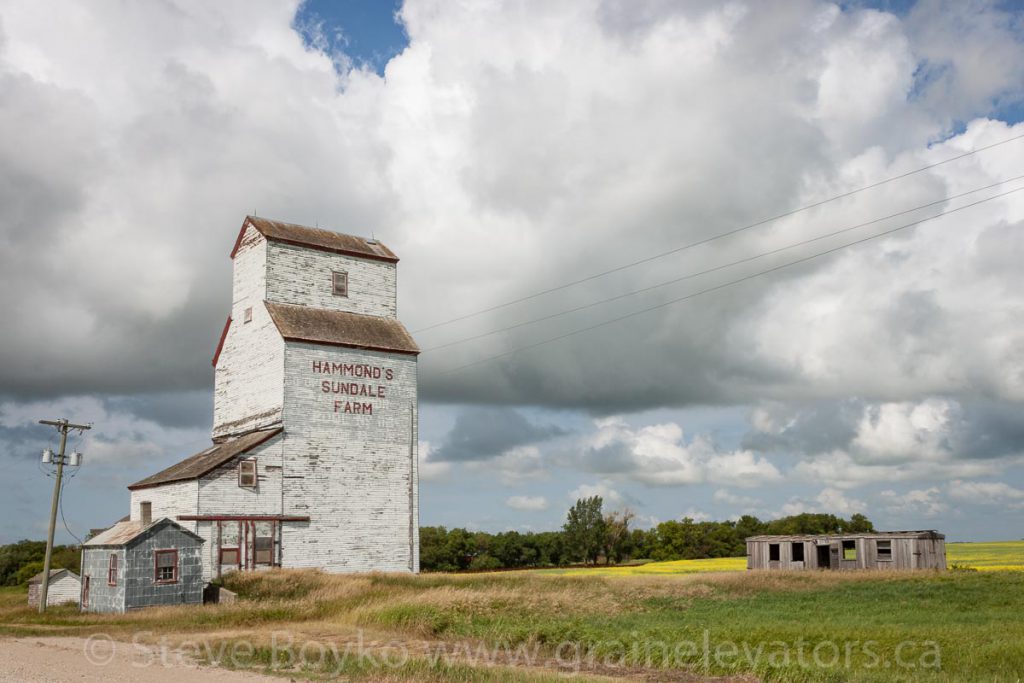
(47, 456)
(76, 459)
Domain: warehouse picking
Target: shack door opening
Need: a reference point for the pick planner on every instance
(824, 561)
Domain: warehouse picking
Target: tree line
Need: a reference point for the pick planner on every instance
(20, 561)
(591, 536)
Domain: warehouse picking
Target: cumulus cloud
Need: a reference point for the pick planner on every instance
(528, 503)
(429, 468)
(987, 493)
(609, 495)
(927, 503)
(658, 455)
(486, 137)
(829, 500)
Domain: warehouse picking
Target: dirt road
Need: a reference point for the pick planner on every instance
(50, 660)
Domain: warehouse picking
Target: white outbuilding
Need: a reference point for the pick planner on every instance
(64, 586)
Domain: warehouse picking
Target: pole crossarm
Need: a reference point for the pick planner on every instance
(63, 426)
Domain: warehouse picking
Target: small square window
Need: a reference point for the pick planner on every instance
(247, 474)
(340, 283)
(264, 550)
(229, 556)
(166, 562)
(247, 315)
(849, 550)
(773, 552)
(885, 550)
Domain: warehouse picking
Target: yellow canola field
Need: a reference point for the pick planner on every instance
(986, 557)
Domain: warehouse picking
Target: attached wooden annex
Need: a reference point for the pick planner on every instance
(882, 550)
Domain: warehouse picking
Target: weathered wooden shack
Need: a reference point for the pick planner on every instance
(64, 587)
(882, 550)
(141, 563)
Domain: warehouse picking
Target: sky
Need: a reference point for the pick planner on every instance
(503, 149)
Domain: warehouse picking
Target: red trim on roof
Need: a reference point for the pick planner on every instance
(238, 240)
(220, 344)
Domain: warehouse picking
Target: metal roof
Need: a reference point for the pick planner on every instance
(316, 238)
(338, 328)
(123, 533)
(208, 460)
(38, 578)
(926, 533)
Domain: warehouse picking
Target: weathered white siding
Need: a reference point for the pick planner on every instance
(169, 500)
(62, 589)
(303, 276)
(354, 474)
(249, 373)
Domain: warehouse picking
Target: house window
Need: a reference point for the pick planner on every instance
(247, 315)
(85, 591)
(773, 552)
(340, 282)
(884, 551)
(229, 556)
(112, 570)
(797, 552)
(166, 566)
(849, 550)
(264, 550)
(247, 474)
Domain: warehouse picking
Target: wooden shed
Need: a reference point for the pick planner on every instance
(882, 550)
(64, 587)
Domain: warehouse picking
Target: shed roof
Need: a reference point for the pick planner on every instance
(38, 578)
(927, 533)
(124, 533)
(316, 238)
(206, 461)
(338, 328)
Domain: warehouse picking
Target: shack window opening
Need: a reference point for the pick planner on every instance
(229, 556)
(773, 552)
(885, 551)
(798, 552)
(112, 570)
(849, 550)
(247, 474)
(247, 315)
(340, 281)
(166, 562)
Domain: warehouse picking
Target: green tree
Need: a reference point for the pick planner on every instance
(617, 540)
(585, 529)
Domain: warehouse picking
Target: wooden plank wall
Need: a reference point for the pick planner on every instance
(907, 553)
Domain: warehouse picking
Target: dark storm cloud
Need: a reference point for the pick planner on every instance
(974, 428)
(188, 409)
(808, 428)
(484, 433)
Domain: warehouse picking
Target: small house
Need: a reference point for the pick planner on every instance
(883, 550)
(64, 586)
(141, 563)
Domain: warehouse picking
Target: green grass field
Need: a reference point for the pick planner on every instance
(659, 622)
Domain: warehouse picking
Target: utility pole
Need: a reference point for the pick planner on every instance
(63, 426)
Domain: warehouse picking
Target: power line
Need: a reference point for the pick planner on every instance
(722, 286)
(713, 269)
(719, 236)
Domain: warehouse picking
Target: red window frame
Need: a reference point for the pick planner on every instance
(156, 565)
(112, 570)
(255, 474)
(230, 549)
